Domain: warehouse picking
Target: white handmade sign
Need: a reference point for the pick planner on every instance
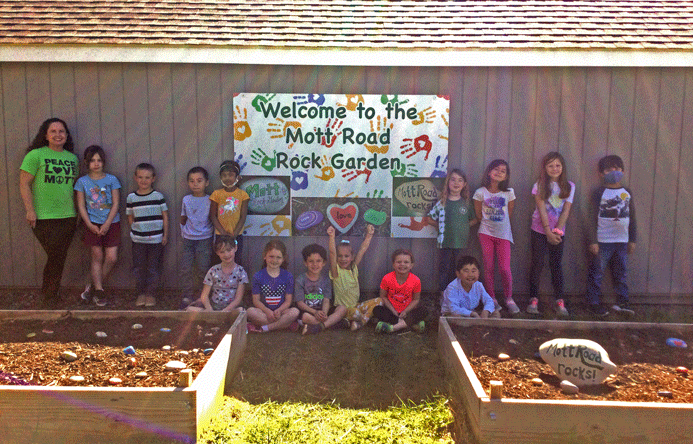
(579, 361)
(309, 161)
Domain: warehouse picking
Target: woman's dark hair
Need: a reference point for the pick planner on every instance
(40, 140)
(486, 181)
(90, 151)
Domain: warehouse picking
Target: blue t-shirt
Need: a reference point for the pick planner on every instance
(273, 291)
(98, 196)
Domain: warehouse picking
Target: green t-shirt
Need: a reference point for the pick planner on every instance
(458, 213)
(54, 177)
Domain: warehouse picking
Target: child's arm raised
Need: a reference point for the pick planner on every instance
(370, 230)
(332, 247)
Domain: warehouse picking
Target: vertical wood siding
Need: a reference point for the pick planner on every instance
(178, 116)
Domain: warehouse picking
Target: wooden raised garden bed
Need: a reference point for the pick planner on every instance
(36, 414)
(559, 421)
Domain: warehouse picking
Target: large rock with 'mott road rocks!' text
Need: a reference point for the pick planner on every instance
(580, 361)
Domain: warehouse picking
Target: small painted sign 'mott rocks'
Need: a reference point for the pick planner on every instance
(579, 361)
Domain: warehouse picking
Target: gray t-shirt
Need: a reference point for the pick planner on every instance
(312, 293)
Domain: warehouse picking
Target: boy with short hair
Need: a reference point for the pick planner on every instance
(464, 294)
(197, 231)
(313, 293)
(148, 217)
(612, 236)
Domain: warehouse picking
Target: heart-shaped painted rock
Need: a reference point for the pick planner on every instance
(375, 217)
(343, 217)
(579, 361)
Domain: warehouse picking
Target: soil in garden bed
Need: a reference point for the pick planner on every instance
(31, 350)
(646, 365)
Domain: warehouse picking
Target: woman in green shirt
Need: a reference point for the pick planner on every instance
(46, 180)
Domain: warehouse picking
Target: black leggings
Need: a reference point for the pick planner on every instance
(540, 246)
(55, 236)
(382, 313)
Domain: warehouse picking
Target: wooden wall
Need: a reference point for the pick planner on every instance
(178, 116)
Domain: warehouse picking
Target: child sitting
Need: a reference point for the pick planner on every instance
(224, 284)
(344, 273)
(313, 293)
(400, 291)
(464, 294)
(273, 288)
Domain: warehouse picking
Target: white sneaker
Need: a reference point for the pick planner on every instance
(512, 306)
(624, 310)
(533, 307)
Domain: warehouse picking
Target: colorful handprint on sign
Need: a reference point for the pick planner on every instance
(327, 172)
(350, 175)
(299, 180)
(259, 157)
(415, 146)
(278, 225)
(261, 98)
(318, 99)
(353, 101)
(380, 125)
(427, 115)
(241, 129)
(407, 169)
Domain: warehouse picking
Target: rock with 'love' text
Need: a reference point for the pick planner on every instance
(580, 361)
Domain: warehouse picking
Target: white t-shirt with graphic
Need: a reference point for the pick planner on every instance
(494, 212)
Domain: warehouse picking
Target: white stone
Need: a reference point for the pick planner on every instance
(141, 375)
(101, 334)
(166, 347)
(69, 356)
(77, 378)
(175, 365)
(136, 326)
(503, 357)
(115, 381)
(537, 381)
(569, 388)
(580, 361)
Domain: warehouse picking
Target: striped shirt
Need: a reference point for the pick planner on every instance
(147, 210)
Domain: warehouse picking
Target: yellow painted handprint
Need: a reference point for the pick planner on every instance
(241, 129)
(326, 170)
(380, 125)
(353, 101)
(279, 225)
(427, 115)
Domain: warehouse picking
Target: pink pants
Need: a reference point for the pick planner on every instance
(490, 247)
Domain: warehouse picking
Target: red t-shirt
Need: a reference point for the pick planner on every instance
(400, 296)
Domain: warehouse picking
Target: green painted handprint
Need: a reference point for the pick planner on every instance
(407, 169)
(261, 98)
(259, 157)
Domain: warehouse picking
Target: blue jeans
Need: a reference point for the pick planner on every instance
(196, 254)
(146, 264)
(615, 256)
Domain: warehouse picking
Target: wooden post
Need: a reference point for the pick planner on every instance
(185, 378)
(496, 391)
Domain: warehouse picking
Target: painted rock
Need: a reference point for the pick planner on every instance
(268, 195)
(166, 347)
(676, 342)
(30, 335)
(513, 341)
(141, 375)
(665, 394)
(132, 362)
(579, 361)
(682, 370)
(343, 217)
(47, 331)
(569, 388)
(69, 356)
(503, 357)
(101, 334)
(129, 350)
(77, 378)
(136, 326)
(208, 351)
(175, 365)
(308, 219)
(165, 330)
(115, 381)
(418, 196)
(375, 217)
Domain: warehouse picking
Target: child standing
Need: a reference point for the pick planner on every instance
(313, 293)
(98, 196)
(229, 205)
(493, 204)
(224, 284)
(553, 195)
(273, 288)
(197, 231)
(400, 292)
(344, 273)
(464, 294)
(148, 217)
(612, 236)
(454, 216)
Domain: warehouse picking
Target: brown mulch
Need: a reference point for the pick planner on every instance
(31, 350)
(646, 365)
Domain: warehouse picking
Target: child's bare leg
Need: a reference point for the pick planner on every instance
(110, 258)
(257, 317)
(96, 267)
(399, 325)
(309, 319)
(339, 313)
(285, 320)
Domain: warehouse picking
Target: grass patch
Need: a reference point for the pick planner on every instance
(297, 422)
